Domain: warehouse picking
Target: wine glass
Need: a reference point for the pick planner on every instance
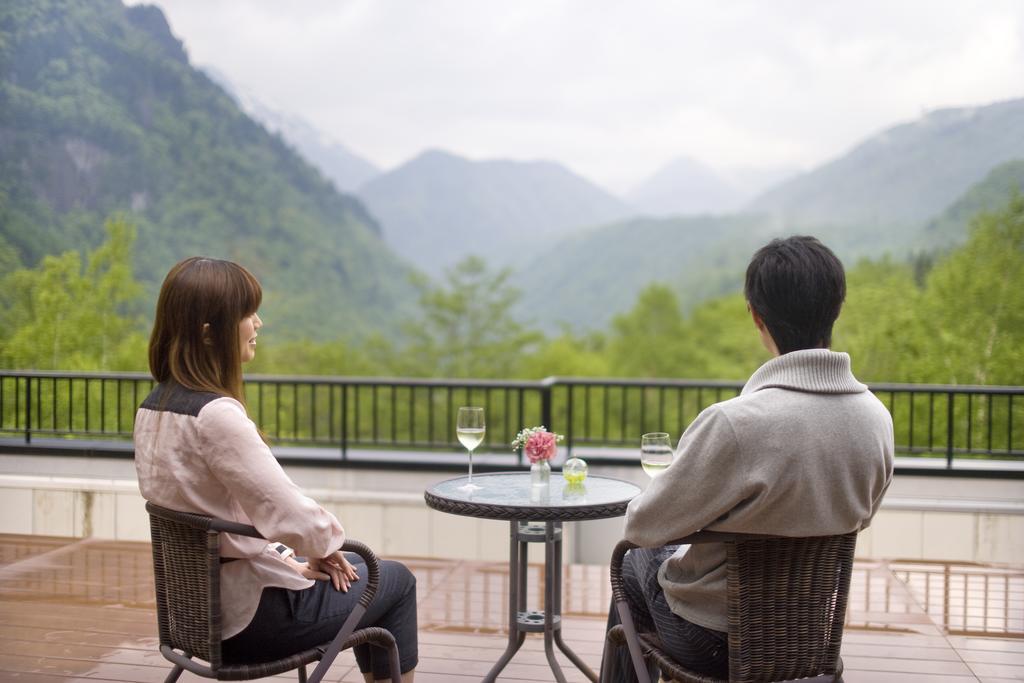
(655, 453)
(470, 429)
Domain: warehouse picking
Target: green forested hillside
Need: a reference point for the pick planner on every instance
(588, 278)
(958, 319)
(905, 175)
(100, 112)
(950, 227)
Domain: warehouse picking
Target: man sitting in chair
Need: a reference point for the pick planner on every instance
(804, 450)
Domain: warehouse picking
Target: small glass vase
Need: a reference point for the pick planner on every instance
(574, 471)
(540, 473)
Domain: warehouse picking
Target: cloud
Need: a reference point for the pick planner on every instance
(612, 89)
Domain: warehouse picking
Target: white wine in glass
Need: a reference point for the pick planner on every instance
(470, 430)
(655, 453)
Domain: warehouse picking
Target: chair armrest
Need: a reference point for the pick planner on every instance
(235, 528)
(615, 568)
(624, 546)
(707, 536)
(621, 606)
(372, 581)
(372, 569)
(201, 521)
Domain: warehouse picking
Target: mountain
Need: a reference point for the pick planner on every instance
(101, 112)
(438, 207)
(753, 180)
(905, 175)
(951, 226)
(343, 167)
(587, 278)
(686, 187)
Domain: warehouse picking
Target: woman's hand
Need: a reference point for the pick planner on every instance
(334, 567)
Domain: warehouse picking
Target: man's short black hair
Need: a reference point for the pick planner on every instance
(797, 286)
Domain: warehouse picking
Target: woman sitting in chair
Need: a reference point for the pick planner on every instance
(196, 450)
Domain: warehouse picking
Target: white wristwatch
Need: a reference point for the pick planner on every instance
(284, 551)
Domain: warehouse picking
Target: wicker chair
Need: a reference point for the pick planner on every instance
(786, 601)
(186, 571)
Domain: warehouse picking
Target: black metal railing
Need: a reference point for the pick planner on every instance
(346, 412)
(938, 422)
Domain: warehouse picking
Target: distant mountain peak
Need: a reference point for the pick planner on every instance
(439, 207)
(151, 19)
(435, 155)
(347, 170)
(685, 186)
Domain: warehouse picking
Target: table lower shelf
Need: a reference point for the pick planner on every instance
(532, 621)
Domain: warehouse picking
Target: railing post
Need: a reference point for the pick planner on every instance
(569, 420)
(545, 404)
(344, 421)
(28, 410)
(949, 430)
(1009, 423)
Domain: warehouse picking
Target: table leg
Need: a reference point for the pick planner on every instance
(524, 568)
(516, 596)
(517, 580)
(552, 606)
(557, 605)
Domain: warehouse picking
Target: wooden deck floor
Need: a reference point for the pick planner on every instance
(83, 610)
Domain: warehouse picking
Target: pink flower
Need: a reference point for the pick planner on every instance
(540, 446)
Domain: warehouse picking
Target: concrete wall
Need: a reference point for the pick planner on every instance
(932, 518)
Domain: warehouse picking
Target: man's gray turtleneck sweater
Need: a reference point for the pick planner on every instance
(804, 450)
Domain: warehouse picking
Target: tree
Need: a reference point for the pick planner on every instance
(722, 340)
(466, 328)
(974, 304)
(306, 357)
(568, 355)
(881, 326)
(649, 340)
(61, 316)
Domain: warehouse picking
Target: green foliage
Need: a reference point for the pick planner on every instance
(466, 328)
(331, 358)
(649, 340)
(879, 324)
(717, 340)
(962, 325)
(725, 343)
(64, 316)
(569, 356)
(973, 312)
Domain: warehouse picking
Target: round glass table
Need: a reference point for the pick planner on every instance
(535, 513)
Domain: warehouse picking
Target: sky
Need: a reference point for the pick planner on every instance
(612, 89)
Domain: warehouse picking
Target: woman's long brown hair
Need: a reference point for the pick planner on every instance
(200, 292)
